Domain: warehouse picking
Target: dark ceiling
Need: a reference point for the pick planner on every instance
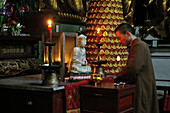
(152, 15)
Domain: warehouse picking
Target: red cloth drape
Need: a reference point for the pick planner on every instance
(108, 80)
(73, 95)
(167, 103)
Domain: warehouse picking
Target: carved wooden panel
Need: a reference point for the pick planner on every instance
(18, 47)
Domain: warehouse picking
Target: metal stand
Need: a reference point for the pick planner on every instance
(50, 44)
(49, 74)
(49, 70)
(99, 68)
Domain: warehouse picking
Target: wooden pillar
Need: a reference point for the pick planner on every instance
(62, 69)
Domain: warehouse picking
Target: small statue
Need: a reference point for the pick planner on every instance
(79, 62)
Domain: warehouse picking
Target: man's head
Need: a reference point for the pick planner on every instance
(81, 40)
(124, 32)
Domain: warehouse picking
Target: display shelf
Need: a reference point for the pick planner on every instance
(105, 15)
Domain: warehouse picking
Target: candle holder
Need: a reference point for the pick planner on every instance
(49, 70)
(49, 45)
(49, 74)
(99, 68)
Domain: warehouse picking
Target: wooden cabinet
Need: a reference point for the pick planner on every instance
(106, 98)
(21, 96)
(19, 47)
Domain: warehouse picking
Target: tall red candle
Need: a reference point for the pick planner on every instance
(98, 34)
(50, 30)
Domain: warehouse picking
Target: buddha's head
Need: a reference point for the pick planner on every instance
(81, 40)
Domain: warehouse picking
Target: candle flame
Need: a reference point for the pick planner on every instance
(49, 23)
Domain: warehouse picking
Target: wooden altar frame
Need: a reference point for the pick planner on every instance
(59, 50)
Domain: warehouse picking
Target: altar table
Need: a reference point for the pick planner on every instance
(106, 98)
(26, 94)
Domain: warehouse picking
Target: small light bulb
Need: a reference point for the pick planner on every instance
(118, 58)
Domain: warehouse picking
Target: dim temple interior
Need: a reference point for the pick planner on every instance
(64, 56)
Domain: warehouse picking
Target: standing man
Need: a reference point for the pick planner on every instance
(139, 70)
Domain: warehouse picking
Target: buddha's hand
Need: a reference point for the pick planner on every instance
(83, 64)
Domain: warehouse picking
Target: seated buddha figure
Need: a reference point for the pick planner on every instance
(78, 61)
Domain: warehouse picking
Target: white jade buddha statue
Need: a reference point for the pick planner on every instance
(78, 61)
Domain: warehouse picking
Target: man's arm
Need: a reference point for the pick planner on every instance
(135, 63)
